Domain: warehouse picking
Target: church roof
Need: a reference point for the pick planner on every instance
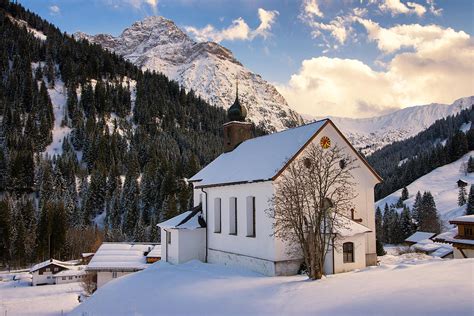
(261, 158)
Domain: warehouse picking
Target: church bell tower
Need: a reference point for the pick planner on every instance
(237, 129)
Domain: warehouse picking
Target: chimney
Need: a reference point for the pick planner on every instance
(237, 129)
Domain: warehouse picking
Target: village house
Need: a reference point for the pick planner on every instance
(461, 238)
(229, 225)
(55, 272)
(113, 260)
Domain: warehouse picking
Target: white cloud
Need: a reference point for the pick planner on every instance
(433, 8)
(396, 7)
(267, 19)
(238, 30)
(54, 10)
(438, 68)
(311, 9)
(136, 4)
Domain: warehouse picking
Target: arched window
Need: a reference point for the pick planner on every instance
(348, 252)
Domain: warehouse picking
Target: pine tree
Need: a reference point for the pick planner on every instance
(404, 194)
(416, 208)
(5, 227)
(379, 232)
(429, 220)
(470, 202)
(462, 199)
(406, 224)
(470, 165)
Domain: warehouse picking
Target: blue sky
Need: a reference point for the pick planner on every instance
(308, 47)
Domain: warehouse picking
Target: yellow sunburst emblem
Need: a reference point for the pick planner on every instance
(325, 142)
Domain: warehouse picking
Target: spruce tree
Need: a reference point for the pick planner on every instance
(470, 202)
(429, 220)
(462, 199)
(416, 208)
(406, 224)
(404, 194)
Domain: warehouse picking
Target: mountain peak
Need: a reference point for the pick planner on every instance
(207, 68)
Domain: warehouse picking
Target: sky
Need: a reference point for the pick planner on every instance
(352, 58)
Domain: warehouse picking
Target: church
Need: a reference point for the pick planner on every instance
(228, 223)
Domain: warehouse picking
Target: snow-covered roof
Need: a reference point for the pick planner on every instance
(465, 219)
(186, 220)
(419, 236)
(155, 252)
(87, 254)
(257, 159)
(48, 262)
(347, 227)
(120, 256)
(71, 272)
(450, 237)
(432, 248)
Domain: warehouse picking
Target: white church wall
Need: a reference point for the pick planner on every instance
(359, 254)
(192, 244)
(364, 204)
(169, 251)
(262, 246)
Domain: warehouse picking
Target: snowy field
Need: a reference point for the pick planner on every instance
(442, 183)
(410, 284)
(18, 297)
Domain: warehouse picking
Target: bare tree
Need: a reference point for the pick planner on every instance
(311, 197)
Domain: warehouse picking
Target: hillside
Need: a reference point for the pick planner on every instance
(195, 288)
(442, 183)
(371, 134)
(85, 133)
(207, 68)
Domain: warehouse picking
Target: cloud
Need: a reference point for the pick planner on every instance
(54, 10)
(311, 9)
(238, 30)
(136, 4)
(433, 8)
(396, 7)
(437, 68)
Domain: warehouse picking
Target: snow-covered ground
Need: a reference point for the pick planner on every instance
(442, 183)
(408, 287)
(18, 297)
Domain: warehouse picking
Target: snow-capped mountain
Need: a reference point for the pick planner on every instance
(207, 68)
(370, 134)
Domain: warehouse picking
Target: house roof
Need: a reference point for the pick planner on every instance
(187, 220)
(463, 219)
(432, 248)
(264, 158)
(450, 237)
(120, 256)
(71, 272)
(49, 262)
(419, 236)
(347, 227)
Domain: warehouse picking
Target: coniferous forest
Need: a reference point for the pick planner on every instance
(134, 139)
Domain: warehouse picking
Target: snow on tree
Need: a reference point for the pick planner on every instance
(462, 196)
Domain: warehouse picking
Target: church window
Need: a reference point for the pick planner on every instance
(348, 252)
(233, 216)
(217, 215)
(251, 216)
(168, 237)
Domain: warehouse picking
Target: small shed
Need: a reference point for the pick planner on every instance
(419, 236)
(154, 255)
(183, 237)
(461, 183)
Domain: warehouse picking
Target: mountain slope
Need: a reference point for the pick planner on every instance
(371, 134)
(441, 182)
(207, 68)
